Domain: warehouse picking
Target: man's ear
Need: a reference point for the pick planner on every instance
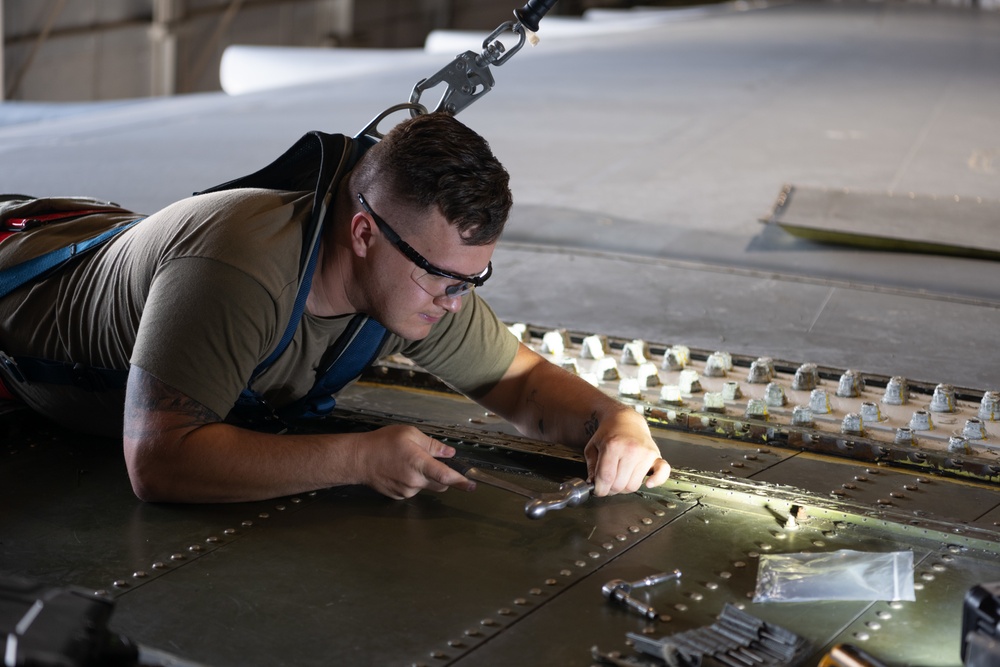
(361, 234)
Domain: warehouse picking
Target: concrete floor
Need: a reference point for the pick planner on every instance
(641, 163)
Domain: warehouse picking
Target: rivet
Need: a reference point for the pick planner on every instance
(473, 632)
(764, 546)
(802, 415)
(818, 543)
(852, 424)
(806, 378)
(176, 556)
(862, 636)
(761, 371)
(680, 606)
(633, 529)
(884, 501)
(120, 583)
(711, 585)
(870, 413)
(927, 576)
(194, 548)
(520, 602)
(938, 567)
(621, 538)
(819, 402)
(884, 615)
(456, 643)
(959, 444)
(551, 582)
(661, 512)
(849, 486)
(974, 429)
(689, 382)
(505, 611)
(904, 436)
(212, 539)
(696, 596)
(566, 573)
(440, 655)
(608, 546)
(943, 399)
(140, 574)
(750, 457)
(756, 409)
(263, 515)
(715, 365)
(897, 494)
(989, 406)
(838, 492)
(850, 384)
(159, 565)
(594, 554)
(229, 531)
(737, 464)
(101, 593)
(921, 421)
(861, 478)
(774, 395)
(247, 524)
(739, 563)
(280, 508)
(488, 622)
(650, 629)
(753, 554)
(897, 391)
(296, 501)
(535, 591)
(580, 563)
(646, 521)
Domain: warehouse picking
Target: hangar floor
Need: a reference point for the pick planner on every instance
(641, 163)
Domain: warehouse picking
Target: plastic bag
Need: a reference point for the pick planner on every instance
(837, 575)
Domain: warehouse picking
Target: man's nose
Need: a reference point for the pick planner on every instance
(450, 303)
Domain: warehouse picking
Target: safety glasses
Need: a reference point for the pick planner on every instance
(435, 281)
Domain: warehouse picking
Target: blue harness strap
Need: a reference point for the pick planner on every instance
(32, 269)
(30, 369)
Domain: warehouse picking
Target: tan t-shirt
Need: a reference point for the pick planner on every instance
(198, 295)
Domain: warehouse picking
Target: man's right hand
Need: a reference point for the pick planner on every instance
(399, 461)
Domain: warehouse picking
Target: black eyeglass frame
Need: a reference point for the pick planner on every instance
(451, 290)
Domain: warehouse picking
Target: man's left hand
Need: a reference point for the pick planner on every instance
(621, 453)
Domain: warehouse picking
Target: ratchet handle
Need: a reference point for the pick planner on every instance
(532, 13)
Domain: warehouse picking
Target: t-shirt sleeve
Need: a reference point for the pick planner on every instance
(469, 350)
(205, 327)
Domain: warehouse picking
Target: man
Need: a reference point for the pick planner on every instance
(193, 298)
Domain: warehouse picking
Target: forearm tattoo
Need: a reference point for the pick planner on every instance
(146, 394)
(538, 406)
(590, 426)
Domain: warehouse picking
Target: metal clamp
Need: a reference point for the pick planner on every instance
(619, 590)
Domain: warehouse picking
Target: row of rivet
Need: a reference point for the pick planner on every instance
(476, 632)
(196, 549)
(718, 364)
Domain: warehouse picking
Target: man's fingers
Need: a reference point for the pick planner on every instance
(444, 476)
(659, 473)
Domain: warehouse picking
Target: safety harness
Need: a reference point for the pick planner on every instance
(317, 162)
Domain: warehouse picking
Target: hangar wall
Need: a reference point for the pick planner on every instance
(83, 50)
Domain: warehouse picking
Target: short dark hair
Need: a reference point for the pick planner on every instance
(433, 159)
